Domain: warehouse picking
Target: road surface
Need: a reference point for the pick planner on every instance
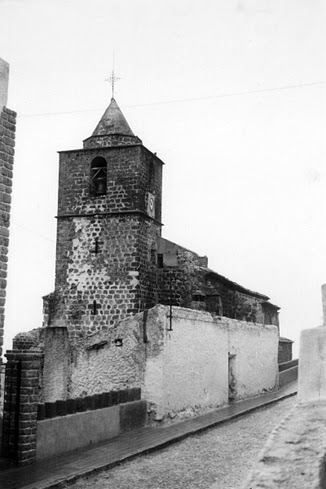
(219, 458)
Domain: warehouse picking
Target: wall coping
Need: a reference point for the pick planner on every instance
(206, 316)
(23, 354)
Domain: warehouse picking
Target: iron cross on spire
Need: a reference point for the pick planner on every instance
(112, 79)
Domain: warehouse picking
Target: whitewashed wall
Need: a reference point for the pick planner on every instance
(195, 363)
(191, 372)
(256, 350)
(98, 365)
(181, 372)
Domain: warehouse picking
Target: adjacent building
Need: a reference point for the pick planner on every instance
(7, 145)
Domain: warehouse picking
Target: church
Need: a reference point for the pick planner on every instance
(139, 330)
(111, 259)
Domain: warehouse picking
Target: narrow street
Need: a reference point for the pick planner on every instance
(219, 458)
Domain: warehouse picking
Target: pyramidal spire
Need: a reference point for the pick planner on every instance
(112, 130)
(113, 122)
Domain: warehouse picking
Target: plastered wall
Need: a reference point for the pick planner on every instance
(181, 372)
(99, 365)
(195, 363)
(65, 433)
(255, 347)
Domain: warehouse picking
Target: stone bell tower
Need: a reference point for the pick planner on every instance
(109, 218)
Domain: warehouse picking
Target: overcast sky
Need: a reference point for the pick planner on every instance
(229, 93)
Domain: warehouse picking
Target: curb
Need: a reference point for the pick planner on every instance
(65, 482)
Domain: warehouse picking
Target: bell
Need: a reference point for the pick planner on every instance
(101, 188)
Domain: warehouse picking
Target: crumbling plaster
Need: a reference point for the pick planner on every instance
(183, 371)
(99, 365)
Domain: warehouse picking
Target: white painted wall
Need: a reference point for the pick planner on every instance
(256, 350)
(195, 362)
(181, 372)
(195, 366)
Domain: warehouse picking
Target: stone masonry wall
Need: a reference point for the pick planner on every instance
(28, 339)
(127, 181)
(7, 144)
(116, 277)
(104, 266)
(110, 277)
(179, 283)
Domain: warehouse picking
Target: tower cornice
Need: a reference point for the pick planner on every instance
(111, 214)
(100, 148)
(83, 150)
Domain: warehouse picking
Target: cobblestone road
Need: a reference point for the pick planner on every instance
(219, 458)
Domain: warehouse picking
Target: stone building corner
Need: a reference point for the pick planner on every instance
(7, 150)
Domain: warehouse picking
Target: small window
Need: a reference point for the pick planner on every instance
(198, 298)
(98, 176)
(159, 261)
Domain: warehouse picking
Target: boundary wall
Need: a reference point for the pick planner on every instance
(287, 376)
(288, 372)
(184, 362)
(185, 365)
(69, 424)
(65, 433)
